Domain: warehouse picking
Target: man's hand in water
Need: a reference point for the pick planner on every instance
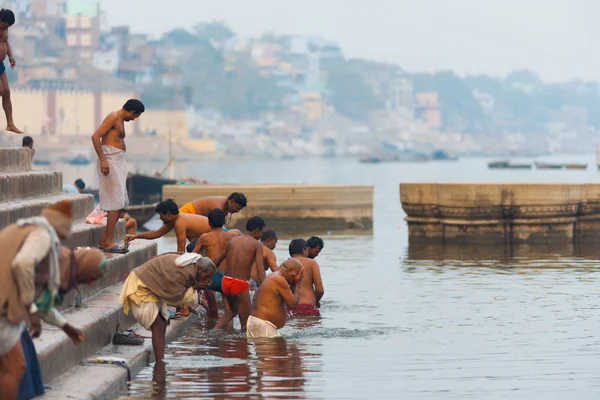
(75, 334)
(104, 167)
(130, 238)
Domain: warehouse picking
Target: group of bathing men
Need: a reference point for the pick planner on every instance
(229, 262)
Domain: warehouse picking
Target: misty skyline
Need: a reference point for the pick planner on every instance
(551, 37)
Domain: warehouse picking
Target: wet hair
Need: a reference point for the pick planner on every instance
(27, 141)
(167, 206)
(296, 246)
(268, 234)
(314, 242)
(191, 245)
(134, 106)
(7, 16)
(238, 198)
(255, 223)
(216, 218)
(80, 184)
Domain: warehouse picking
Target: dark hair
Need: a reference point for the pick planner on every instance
(7, 16)
(314, 242)
(216, 218)
(167, 206)
(80, 184)
(268, 234)
(135, 106)
(190, 247)
(238, 198)
(255, 223)
(27, 140)
(296, 246)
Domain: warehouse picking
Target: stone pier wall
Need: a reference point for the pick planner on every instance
(291, 208)
(501, 212)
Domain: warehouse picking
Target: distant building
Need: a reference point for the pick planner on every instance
(427, 108)
(82, 27)
(48, 8)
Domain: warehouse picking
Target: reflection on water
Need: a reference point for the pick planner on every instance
(418, 322)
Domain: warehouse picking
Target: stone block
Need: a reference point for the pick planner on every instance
(89, 235)
(31, 184)
(15, 159)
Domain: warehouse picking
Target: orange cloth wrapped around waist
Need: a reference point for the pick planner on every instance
(231, 286)
(188, 208)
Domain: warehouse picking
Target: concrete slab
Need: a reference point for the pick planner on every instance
(89, 235)
(24, 185)
(15, 159)
(106, 381)
(12, 211)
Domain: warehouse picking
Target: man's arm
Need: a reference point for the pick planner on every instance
(102, 130)
(259, 259)
(317, 282)
(11, 59)
(271, 261)
(180, 233)
(290, 299)
(199, 248)
(160, 232)
(223, 255)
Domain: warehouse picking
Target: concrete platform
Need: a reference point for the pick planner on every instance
(89, 235)
(12, 211)
(24, 185)
(291, 208)
(106, 381)
(14, 159)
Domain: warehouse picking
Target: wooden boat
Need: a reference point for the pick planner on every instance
(371, 160)
(542, 165)
(508, 165)
(576, 166)
(41, 161)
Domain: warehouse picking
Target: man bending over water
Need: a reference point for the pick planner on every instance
(240, 254)
(281, 288)
(187, 226)
(230, 205)
(312, 285)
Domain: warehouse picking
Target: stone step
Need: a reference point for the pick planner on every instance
(94, 381)
(99, 318)
(11, 211)
(89, 235)
(25, 185)
(15, 159)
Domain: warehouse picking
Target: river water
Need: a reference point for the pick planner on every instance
(425, 322)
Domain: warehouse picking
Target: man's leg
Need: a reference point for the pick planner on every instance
(109, 232)
(159, 332)
(211, 301)
(230, 303)
(12, 368)
(244, 308)
(7, 105)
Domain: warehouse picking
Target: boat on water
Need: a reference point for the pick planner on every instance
(576, 166)
(508, 165)
(79, 160)
(371, 160)
(543, 165)
(41, 161)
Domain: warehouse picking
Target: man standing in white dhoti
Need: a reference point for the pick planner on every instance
(109, 143)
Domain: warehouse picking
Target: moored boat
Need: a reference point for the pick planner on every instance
(576, 166)
(543, 165)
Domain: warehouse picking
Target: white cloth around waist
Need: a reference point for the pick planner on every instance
(259, 328)
(113, 187)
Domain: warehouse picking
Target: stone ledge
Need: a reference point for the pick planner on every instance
(15, 159)
(12, 211)
(89, 235)
(25, 185)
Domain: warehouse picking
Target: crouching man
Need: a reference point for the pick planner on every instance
(167, 279)
(281, 288)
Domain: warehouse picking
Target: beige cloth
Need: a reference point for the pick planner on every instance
(146, 313)
(113, 189)
(259, 328)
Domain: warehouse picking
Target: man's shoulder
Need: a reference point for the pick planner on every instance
(267, 251)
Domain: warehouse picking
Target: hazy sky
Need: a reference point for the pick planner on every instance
(556, 38)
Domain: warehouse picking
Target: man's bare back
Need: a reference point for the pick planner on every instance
(213, 243)
(205, 204)
(242, 252)
(312, 284)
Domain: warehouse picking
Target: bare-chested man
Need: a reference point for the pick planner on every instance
(239, 254)
(109, 143)
(312, 285)
(315, 246)
(269, 240)
(230, 205)
(281, 288)
(187, 226)
(211, 245)
(7, 19)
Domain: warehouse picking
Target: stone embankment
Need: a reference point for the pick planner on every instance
(502, 212)
(292, 208)
(69, 370)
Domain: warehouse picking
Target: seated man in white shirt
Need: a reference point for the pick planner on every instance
(75, 188)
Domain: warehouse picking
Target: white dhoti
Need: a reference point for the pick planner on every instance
(259, 328)
(113, 188)
(146, 313)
